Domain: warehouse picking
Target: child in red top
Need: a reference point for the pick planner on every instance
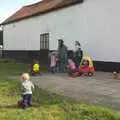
(87, 68)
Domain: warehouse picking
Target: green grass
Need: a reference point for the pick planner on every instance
(50, 106)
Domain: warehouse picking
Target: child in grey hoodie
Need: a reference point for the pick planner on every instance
(27, 88)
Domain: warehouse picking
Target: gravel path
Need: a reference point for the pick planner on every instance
(99, 89)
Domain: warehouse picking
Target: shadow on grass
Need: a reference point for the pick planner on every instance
(9, 106)
(46, 98)
(15, 106)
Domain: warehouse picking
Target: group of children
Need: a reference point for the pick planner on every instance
(86, 66)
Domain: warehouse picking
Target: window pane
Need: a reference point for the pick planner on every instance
(44, 41)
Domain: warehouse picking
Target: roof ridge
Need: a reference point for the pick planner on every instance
(36, 3)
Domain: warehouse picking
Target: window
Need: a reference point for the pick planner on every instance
(44, 41)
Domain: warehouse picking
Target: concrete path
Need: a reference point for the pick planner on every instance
(99, 89)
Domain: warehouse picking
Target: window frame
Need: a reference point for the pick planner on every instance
(44, 41)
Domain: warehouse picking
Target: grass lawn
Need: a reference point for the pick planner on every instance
(50, 106)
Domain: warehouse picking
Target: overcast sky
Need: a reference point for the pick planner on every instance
(8, 7)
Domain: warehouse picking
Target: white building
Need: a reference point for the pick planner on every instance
(37, 28)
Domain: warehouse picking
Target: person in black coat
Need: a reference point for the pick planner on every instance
(78, 53)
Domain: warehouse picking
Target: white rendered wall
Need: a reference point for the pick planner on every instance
(95, 23)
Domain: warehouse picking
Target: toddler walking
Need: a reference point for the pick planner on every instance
(27, 88)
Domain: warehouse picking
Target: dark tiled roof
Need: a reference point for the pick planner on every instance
(40, 8)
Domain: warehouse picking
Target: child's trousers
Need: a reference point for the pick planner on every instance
(27, 100)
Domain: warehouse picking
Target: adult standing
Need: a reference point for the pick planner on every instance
(62, 55)
(78, 53)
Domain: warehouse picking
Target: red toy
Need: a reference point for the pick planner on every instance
(76, 74)
(86, 68)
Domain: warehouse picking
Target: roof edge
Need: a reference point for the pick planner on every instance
(41, 13)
